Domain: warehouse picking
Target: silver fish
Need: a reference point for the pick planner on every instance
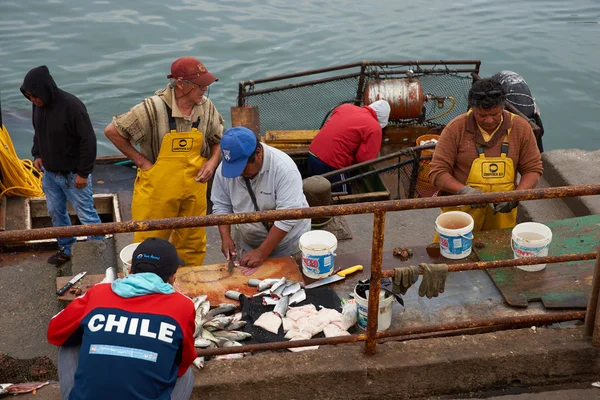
(298, 297)
(277, 293)
(209, 336)
(228, 356)
(235, 325)
(291, 289)
(233, 335)
(254, 282)
(218, 323)
(266, 284)
(233, 295)
(223, 308)
(282, 306)
(198, 300)
(199, 362)
(269, 301)
(279, 283)
(201, 342)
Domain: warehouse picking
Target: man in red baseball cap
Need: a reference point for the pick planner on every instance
(178, 131)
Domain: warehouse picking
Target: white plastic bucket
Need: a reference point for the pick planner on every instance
(126, 255)
(455, 229)
(318, 253)
(384, 320)
(531, 239)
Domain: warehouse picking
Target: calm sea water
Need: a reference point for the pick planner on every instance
(112, 54)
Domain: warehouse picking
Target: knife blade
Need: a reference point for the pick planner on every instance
(334, 278)
(73, 281)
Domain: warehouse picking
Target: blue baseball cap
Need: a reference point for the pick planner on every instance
(237, 145)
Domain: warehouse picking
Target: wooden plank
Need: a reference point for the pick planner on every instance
(290, 136)
(560, 285)
(247, 116)
(214, 280)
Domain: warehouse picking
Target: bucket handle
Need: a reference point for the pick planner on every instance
(512, 245)
(462, 236)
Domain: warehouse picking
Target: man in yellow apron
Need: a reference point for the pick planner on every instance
(178, 131)
(482, 151)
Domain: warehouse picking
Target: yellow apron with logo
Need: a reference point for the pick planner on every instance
(490, 174)
(168, 189)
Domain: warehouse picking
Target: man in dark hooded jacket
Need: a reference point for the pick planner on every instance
(64, 149)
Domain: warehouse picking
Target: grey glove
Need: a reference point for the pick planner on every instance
(404, 278)
(434, 280)
(471, 190)
(505, 207)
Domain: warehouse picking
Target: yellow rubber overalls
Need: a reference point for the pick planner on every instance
(490, 174)
(168, 189)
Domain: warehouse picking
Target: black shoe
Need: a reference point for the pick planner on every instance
(59, 258)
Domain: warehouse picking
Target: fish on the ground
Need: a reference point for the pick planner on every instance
(232, 335)
(282, 306)
(267, 284)
(199, 362)
(209, 336)
(223, 308)
(235, 325)
(269, 301)
(233, 295)
(217, 323)
(229, 356)
(201, 342)
(277, 284)
(291, 289)
(298, 297)
(198, 300)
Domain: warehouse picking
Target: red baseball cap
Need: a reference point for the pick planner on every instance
(190, 69)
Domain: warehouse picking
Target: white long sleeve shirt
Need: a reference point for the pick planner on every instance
(277, 186)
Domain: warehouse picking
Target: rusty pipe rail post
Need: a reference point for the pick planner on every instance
(299, 213)
(375, 282)
(506, 322)
(509, 263)
(592, 319)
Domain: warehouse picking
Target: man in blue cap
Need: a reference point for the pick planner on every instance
(256, 177)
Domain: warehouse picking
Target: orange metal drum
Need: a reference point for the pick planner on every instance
(404, 95)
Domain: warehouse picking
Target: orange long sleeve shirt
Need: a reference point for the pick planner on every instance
(456, 149)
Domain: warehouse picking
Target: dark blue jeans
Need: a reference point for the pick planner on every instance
(318, 167)
(60, 188)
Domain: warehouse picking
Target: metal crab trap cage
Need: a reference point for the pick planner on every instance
(287, 111)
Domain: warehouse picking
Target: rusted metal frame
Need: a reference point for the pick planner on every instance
(592, 319)
(400, 333)
(420, 72)
(301, 84)
(416, 159)
(403, 152)
(375, 282)
(481, 265)
(361, 84)
(373, 172)
(241, 100)
(360, 64)
(299, 213)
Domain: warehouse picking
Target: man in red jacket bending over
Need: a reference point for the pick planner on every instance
(350, 136)
(129, 339)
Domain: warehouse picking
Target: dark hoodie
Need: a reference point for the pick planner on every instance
(64, 138)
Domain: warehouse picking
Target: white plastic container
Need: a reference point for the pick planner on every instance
(455, 229)
(384, 319)
(531, 239)
(126, 255)
(318, 253)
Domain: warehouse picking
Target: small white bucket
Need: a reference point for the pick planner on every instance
(531, 239)
(455, 229)
(318, 253)
(126, 255)
(384, 319)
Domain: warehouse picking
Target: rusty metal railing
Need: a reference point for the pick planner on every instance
(379, 209)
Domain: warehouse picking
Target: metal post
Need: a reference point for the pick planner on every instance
(376, 260)
(591, 316)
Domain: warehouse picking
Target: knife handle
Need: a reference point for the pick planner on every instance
(63, 289)
(350, 270)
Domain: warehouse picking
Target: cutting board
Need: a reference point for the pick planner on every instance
(214, 280)
(560, 285)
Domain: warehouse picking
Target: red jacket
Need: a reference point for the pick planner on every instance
(351, 135)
